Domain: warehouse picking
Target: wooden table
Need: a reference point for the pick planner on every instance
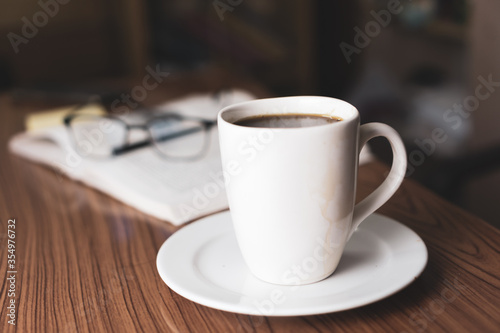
(86, 262)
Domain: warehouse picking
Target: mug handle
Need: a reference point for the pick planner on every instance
(394, 179)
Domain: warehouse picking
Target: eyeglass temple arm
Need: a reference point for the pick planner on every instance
(130, 147)
(118, 151)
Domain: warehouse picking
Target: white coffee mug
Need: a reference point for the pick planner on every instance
(291, 191)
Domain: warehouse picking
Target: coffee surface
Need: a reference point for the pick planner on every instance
(287, 120)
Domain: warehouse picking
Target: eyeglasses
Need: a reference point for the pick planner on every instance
(173, 135)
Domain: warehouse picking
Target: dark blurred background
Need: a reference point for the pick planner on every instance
(422, 66)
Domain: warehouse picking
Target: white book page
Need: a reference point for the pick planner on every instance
(178, 191)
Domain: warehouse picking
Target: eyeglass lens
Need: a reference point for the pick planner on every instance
(179, 138)
(98, 136)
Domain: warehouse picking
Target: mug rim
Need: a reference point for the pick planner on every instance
(344, 110)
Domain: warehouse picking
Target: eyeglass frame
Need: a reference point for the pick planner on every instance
(127, 147)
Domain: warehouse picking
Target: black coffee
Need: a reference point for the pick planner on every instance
(287, 120)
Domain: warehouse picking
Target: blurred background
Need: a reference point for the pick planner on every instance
(429, 68)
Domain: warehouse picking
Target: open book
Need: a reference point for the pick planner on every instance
(171, 190)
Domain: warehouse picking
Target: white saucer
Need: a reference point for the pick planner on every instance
(203, 263)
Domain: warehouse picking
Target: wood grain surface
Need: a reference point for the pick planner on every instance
(86, 262)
